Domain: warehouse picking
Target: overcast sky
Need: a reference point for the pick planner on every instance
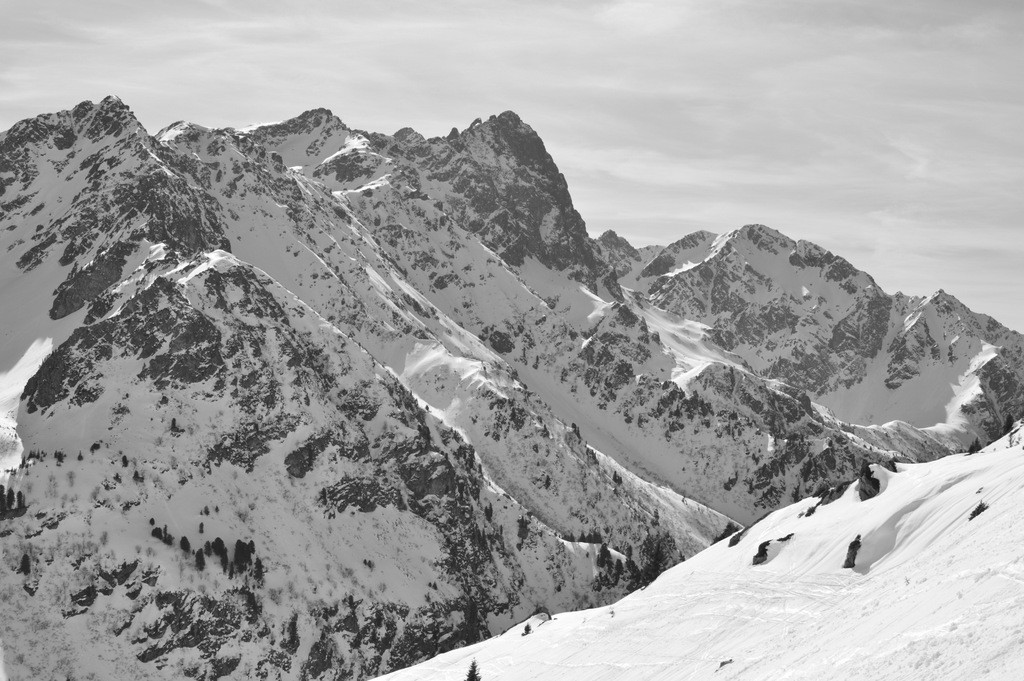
(889, 132)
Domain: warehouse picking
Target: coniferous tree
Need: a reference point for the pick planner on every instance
(730, 529)
(978, 510)
(293, 632)
(21, 500)
(200, 560)
(524, 528)
(243, 555)
(186, 546)
(656, 554)
(474, 672)
(1008, 424)
(604, 556)
(26, 564)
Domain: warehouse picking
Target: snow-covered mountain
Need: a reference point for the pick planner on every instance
(798, 313)
(404, 371)
(913, 573)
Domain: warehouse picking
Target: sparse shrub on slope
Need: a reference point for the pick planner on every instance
(978, 510)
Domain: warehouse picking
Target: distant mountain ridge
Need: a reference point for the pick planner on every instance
(798, 313)
(404, 370)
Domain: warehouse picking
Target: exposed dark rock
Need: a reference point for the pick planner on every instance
(661, 264)
(762, 553)
(85, 597)
(851, 553)
(323, 655)
(869, 485)
(300, 461)
(830, 494)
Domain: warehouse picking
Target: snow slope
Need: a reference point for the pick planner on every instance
(933, 594)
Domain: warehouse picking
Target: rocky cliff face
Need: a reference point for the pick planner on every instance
(404, 389)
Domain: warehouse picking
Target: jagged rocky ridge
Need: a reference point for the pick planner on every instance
(402, 369)
(798, 313)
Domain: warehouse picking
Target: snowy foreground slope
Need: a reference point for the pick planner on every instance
(933, 594)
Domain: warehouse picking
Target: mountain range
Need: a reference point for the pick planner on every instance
(304, 401)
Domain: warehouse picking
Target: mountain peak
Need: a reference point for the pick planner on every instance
(611, 239)
(110, 117)
(503, 124)
(307, 122)
(761, 236)
(509, 117)
(701, 236)
(112, 101)
(943, 299)
(111, 107)
(316, 115)
(409, 135)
